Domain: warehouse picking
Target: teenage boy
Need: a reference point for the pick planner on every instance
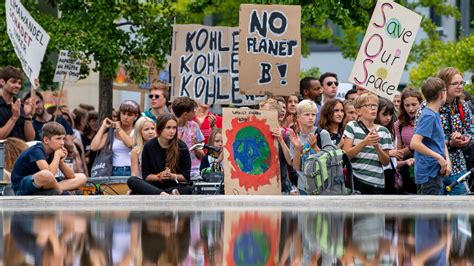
(15, 119)
(158, 97)
(34, 171)
(305, 143)
(431, 152)
(188, 130)
(367, 145)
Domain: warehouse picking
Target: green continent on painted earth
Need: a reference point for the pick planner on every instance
(251, 151)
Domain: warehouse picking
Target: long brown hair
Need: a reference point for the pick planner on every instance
(403, 116)
(326, 116)
(13, 148)
(172, 153)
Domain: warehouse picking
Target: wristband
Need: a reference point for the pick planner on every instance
(28, 119)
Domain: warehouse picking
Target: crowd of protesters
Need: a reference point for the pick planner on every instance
(389, 153)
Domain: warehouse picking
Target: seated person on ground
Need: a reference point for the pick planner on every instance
(34, 171)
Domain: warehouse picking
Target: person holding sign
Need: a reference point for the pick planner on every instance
(15, 119)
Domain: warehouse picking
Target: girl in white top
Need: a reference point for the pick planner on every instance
(144, 131)
(122, 143)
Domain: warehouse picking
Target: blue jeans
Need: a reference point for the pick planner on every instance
(459, 189)
(121, 171)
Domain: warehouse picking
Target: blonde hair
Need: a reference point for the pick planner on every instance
(138, 142)
(272, 104)
(13, 148)
(365, 98)
(306, 106)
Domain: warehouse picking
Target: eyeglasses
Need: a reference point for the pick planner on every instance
(154, 96)
(371, 106)
(332, 82)
(455, 84)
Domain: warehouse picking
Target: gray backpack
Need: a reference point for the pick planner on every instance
(324, 172)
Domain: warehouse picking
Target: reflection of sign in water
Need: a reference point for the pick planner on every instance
(251, 238)
(385, 48)
(251, 248)
(251, 163)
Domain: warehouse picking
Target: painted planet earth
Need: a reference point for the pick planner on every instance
(251, 151)
(251, 248)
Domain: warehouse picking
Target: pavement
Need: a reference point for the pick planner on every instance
(354, 204)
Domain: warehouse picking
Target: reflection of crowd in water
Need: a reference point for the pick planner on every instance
(167, 238)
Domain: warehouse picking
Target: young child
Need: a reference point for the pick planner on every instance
(188, 130)
(283, 151)
(431, 153)
(144, 131)
(367, 145)
(305, 143)
(386, 117)
(212, 161)
(33, 172)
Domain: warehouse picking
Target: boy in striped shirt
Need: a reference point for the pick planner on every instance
(367, 145)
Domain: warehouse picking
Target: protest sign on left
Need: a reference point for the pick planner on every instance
(28, 38)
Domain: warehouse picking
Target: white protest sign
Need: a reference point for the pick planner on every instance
(28, 38)
(385, 48)
(68, 67)
(205, 65)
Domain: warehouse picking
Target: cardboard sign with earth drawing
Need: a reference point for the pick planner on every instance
(251, 165)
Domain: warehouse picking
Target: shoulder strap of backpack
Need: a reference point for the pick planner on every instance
(317, 132)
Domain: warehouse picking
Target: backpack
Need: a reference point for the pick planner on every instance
(324, 172)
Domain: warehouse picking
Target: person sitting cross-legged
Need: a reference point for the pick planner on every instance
(35, 169)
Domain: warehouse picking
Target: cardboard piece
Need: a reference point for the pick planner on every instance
(385, 48)
(251, 238)
(205, 65)
(270, 50)
(67, 68)
(28, 38)
(251, 165)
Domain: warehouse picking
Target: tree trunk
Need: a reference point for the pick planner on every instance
(105, 96)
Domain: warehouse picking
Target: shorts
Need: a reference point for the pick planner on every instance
(432, 187)
(27, 186)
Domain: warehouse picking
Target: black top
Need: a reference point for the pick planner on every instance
(18, 130)
(154, 161)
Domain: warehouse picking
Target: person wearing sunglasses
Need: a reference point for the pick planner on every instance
(330, 84)
(158, 96)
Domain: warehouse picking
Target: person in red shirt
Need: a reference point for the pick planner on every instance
(206, 120)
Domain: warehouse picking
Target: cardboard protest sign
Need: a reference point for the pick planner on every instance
(28, 38)
(385, 48)
(67, 68)
(251, 164)
(205, 65)
(251, 238)
(270, 50)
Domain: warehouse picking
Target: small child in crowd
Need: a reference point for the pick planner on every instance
(35, 169)
(144, 131)
(367, 145)
(212, 161)
(431, 153)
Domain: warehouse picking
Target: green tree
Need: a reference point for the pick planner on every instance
(109, 33)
